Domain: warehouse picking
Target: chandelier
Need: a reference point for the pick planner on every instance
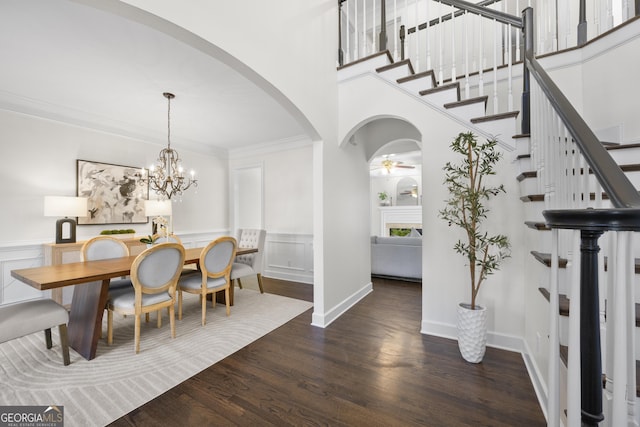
(166, 177)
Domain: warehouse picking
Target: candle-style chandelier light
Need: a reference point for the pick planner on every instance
(167, 177)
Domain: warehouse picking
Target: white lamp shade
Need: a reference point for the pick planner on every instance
(65, 206)
(157, 207)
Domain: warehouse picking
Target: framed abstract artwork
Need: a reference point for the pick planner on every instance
(114, 193)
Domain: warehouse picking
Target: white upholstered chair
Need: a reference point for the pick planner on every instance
(154, 274)
(106, 247)
(215, 268)
(250, 264)
(25, 318)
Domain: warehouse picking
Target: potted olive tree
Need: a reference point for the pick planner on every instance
(466, 208)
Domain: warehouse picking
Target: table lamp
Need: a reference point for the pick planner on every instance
(66, 207)
(153, 208)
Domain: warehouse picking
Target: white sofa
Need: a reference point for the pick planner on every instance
(397, 257)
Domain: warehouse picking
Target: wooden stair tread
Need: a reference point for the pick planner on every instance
(545, 258)
(436, 89)
(396, 65)
(428, 73)
(480, 99)
(563, 301)
(500, 116)
(366, 58)
(523, 156)
(528, 174)
(521, 135)
(621, 146)
(537, 225)
(540, 197)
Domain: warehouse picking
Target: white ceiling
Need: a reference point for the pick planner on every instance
(69, 62)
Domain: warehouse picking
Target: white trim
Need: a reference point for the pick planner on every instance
(324, 320)
(263, 148)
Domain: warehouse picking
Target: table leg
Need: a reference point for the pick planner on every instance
(85, 318)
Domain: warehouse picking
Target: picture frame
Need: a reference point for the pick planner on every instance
(115, 193)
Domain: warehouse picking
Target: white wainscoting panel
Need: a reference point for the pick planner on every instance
(289, 257)
(13, 258)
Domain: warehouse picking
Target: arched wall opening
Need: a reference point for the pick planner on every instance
(391, 139)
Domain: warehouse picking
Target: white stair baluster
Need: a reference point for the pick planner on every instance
(553, 381)
(426, 36)
(396, 56)
(573, 359)
(348, 34)
(440, 46)
(365, 45)
(510, 70)
(480, 59)
(453, 47)
(417, 36)
(356, 32)
(495, 67)
(374, 38)
(466, 55)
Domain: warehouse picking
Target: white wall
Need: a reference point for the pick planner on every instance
(287, 172)
(39, 158)
(289, 48)
(445, 283)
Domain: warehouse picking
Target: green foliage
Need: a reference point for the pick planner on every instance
(466, 208)
(149, 240)
(383, 195)
(126, 231)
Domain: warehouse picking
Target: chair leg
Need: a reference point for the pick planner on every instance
(203, 299)
(64, 343)
(137, 334)
(179, 305)
(47, 337)
(146, 317)
(159, 319)
(172, 320)
(109, 327)
(227, 300)
(260, 283)
(239, 283)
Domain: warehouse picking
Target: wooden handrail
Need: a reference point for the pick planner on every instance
(615, 183)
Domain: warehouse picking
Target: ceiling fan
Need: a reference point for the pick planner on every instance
(389, 164)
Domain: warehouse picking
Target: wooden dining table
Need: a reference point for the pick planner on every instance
(90, 299)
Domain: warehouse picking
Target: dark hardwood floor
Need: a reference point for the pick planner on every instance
(369, 367)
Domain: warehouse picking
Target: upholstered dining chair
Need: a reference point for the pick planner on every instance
(250, 264)
(160, 238)
(106, 247)
(154, 274)
(215, 267)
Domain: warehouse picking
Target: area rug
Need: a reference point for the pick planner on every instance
(101, 390)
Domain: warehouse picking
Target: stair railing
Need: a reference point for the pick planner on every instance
(449, 38)
(574, 170)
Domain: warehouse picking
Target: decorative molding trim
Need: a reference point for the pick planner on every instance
(262, 148)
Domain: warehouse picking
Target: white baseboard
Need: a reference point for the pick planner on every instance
(324, 320)
(495, 340)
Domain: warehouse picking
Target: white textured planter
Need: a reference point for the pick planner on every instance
(472, 332)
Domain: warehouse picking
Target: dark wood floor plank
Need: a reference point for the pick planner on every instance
(371, 366)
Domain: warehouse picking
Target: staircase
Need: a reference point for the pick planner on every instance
(565, 172)
(470, 112)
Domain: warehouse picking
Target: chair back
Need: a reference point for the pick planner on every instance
(217, 258)
(157, 269)
(160, 238)
(103, 247)
(252, 238)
